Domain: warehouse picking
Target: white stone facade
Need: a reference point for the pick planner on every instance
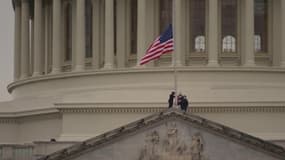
(61, 92)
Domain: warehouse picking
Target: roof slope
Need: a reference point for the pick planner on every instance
(256, 143)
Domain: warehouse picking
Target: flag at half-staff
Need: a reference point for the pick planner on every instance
(161, 45)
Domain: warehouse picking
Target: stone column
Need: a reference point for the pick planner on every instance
(248, 38)
(96, 34)
(141, 30)
(80, 36)
(179, 32)
(38, 38)
(213, 33)
(47, 49)
(121, 37)
(17, 41)
(25, 41)
(282, 55)
(32, 44)
(56, 36)
(109, 34)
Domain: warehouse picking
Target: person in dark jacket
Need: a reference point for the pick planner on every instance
(184, 103)
(170, 100)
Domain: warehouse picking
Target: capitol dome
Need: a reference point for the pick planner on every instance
(77, 72)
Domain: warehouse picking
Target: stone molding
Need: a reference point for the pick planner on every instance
(28, 113)
(159, 109)
(64, 75)
(195, 107)
(18, 118)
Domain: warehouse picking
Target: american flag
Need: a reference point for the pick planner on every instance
(162, 44)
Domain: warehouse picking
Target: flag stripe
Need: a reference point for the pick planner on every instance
(158, 50)
(167, 46)
(161, 45)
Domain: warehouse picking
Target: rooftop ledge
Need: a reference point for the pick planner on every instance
(142, 69)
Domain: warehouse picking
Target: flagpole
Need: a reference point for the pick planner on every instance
(175, 76)
(175, 52)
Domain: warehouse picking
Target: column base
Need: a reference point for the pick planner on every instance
(177, 64)
(23, 76)
(139, 66)
(213, 64)
(249, 64)
(35, 74)
(108, 66)
(55, 71)
(78, 68)
(95, 66)
(282, 65)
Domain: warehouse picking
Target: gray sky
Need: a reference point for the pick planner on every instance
(6, 47)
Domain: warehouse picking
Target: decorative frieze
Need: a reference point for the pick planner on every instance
(159, 109)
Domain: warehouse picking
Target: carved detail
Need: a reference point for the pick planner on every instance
(172, 148)
(196, 147)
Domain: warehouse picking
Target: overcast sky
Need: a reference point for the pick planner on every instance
(6, 47)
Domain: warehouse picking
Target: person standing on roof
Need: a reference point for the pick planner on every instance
(184, 103)
(170, 99)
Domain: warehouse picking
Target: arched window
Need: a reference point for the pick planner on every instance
(68, 32)
(88, 28)
(229, 44)
(165, 14)
(198, 25)
(261, 24)
(229, 25)
(200, 44)
(257, 43)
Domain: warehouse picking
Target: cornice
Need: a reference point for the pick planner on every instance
(64, 75)
(160, 104)
(140, 107)
(28, 113)
(191, 109)
(33, 116)
(195, 107)
(17, 145)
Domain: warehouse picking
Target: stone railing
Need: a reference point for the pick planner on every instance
(31, 151)
(16, 152)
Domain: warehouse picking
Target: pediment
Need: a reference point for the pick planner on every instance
(172, 135)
